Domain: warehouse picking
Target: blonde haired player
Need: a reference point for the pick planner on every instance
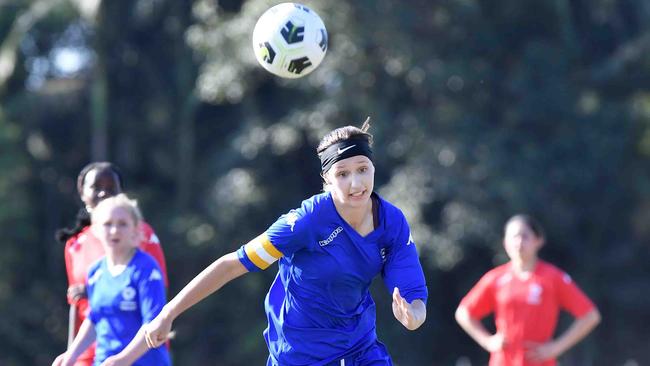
(125, 288)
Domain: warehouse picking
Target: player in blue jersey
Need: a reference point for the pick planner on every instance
(125, 288)
(328, 250)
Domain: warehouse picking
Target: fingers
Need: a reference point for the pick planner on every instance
(397, 297)
(531, 345)
(538, 352)
(76, 292)
(399, 300)
(401, 308)
(153, 340)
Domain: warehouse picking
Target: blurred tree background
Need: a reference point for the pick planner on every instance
(481, 109)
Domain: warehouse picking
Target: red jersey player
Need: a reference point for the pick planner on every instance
(95, 182)
(526, 296)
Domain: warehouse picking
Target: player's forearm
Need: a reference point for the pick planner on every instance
(473, 327)
(215, 276)
(135, 349)
(577, 331)
(83, 340)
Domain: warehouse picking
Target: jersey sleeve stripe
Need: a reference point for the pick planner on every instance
(261, 252)
(265, 256)
(269, 248)
(259, 262)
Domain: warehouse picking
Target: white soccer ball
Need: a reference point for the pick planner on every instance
(290, 40)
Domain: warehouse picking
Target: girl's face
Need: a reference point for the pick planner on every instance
(351, 180)
(99, 185)
(116, 228)
(521, 242)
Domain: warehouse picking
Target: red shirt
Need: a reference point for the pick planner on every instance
(84, 249)
(525, 309)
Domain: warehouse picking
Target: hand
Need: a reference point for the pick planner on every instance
(404, 312)
(62, 360)
(538, 352)
(495, 343)
(114, 361)
(157, 331)
(76, 293)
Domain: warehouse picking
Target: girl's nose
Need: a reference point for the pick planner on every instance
(356, 181)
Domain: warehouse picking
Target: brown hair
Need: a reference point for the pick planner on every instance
(345, 133)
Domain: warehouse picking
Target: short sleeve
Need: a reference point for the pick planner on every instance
(94, 272)
(284, 237)
(151, 245)
(402, 268)
(480, 300)
(151, 291)
(68, 265)
(571, 298)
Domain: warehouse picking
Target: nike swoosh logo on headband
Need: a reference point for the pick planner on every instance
(341, 151)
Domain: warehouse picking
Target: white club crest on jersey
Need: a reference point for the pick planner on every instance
(128, 304)
(128, 293)
(534, 294)
(154, 239)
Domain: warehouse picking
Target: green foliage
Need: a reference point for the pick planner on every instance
(480, 110)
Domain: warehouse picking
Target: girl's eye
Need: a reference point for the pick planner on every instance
(342, 174)
(363, 169)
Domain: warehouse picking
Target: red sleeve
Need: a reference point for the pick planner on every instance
(151, 245)
(68, 264)
(570, 297)
(480, 301)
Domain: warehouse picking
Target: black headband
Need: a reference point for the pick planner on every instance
(342, 150)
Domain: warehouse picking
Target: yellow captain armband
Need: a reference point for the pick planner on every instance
(261, 252)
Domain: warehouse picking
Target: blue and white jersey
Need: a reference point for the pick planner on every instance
(319, 306)
(121, 304)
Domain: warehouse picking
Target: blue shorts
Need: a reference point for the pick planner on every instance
(375, 355)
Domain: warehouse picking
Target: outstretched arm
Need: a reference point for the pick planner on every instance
(220, 272)
(134, 350)
(574, 334)
(410, 315)
(476, 330)
(154, 334)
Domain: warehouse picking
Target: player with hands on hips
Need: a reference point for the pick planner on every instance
(526, 295)
(125, 290)
(319, 307)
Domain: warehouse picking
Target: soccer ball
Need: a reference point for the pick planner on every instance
(290, 40)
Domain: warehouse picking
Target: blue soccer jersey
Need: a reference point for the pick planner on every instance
(121, 304)
(319, 306)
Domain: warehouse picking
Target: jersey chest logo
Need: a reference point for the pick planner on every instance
(331, 237)
(534, 294)
(128, 303)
